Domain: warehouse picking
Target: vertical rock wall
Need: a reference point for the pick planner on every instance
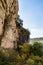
(8, 17)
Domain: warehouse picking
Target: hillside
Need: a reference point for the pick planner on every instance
(32, 40)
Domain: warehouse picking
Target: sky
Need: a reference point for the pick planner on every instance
(31, 12)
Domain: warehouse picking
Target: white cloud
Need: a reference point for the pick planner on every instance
(36, 33)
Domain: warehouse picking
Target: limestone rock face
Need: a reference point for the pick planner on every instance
(8, 17)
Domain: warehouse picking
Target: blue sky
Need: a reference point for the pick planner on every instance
(31, 11)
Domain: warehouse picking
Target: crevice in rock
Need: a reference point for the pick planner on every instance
(4, 27)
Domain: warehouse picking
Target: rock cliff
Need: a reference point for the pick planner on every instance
(8, 17)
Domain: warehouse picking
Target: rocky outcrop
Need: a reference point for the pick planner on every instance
(24, 35)
(8, 29)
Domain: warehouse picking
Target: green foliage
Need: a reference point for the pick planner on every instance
(9, 57)
(30, 62)
(19, 21)
(37, 49)
(26, 55)
(24, 34)
(39, 63)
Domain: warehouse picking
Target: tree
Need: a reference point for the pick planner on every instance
(36, 49)
(19, 21)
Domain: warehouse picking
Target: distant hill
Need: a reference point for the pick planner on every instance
(32, 40)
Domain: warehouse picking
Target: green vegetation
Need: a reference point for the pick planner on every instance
(24, 34)
(19, 22)
(27, 54)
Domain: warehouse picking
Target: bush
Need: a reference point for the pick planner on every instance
(26, 55)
